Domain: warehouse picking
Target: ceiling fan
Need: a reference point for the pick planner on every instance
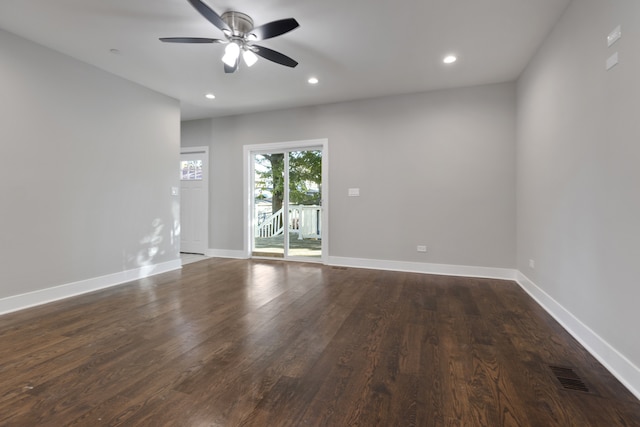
(239, 35)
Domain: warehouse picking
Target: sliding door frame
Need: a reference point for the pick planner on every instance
(249, 151)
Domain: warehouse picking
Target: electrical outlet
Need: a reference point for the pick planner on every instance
(532, 264)
(421, 248)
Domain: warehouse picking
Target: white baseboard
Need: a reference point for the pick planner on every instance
(225, 253)
(621, 367)
(43, 296)
(417, 267)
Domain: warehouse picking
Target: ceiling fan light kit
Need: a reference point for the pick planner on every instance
(231, 53)
(249, 57)
(239, 35)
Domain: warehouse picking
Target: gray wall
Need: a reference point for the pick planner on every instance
(435, 168)
(579, 173)
(88, 161)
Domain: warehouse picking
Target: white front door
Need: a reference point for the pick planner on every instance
(194, 200)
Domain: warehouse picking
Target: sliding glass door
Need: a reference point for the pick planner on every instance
(287, 203)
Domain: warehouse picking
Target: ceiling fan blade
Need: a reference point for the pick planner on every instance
(209, 14)
(274, 56)
(189, 40)
(275, 28)
(231, 69)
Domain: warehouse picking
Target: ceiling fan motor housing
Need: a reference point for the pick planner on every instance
(240, 23)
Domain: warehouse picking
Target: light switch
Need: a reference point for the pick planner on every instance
(354, 192)
(614, 36)
(174, 191)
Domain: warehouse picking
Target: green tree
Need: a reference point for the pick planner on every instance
(305, 177)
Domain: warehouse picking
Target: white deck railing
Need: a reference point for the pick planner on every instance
(303, 220)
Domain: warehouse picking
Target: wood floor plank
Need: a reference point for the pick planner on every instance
(268, 343)
(351, 371)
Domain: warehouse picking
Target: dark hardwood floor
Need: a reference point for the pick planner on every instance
(268, 343)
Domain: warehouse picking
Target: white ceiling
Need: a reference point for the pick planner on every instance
(357, 48)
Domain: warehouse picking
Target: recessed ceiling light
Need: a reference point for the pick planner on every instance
(210, 96)
(449, 59)
(313, 81)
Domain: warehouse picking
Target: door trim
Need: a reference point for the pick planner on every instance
(248, 151)
(202, 149)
